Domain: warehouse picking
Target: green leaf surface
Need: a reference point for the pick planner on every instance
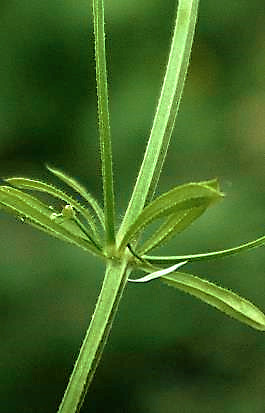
(173, 225)
(181, 198)
(207, 255)
(33, 211)
(218, 297)
(30, 184)
(81, 190)
(176, 223)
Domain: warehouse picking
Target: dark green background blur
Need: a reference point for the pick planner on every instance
(168, 353)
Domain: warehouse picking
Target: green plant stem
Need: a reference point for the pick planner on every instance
(166, 112)
(104, 123)
(117, 273)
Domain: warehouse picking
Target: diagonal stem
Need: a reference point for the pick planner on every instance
(96, 336)
(166, 112)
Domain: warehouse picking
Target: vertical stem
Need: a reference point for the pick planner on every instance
(96, 336)
(103, 117)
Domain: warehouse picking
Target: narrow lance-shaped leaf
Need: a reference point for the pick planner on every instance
(176, 223)
(81, 190)
(36, 213)
(30, 184)
(207, 255)
(218, 297)
(181, 198)
(31, 210)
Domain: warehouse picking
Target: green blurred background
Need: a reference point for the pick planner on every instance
(167, 351)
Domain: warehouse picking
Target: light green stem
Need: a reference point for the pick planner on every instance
(166, 112)
(96, 337)
(103, 118)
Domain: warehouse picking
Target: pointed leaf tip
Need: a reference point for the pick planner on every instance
(177, 201)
